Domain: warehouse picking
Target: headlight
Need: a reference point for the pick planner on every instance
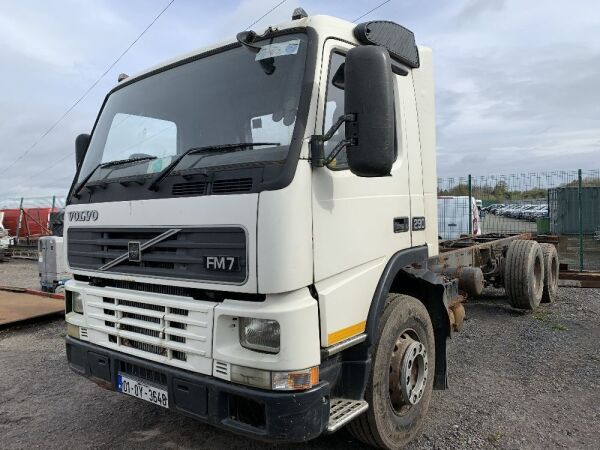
(77, 302)
(261, 335)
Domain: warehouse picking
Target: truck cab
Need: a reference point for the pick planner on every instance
(248, 233)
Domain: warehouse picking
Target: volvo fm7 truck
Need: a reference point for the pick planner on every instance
(252, 234)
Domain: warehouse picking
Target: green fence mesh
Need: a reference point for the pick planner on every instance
(561, 203)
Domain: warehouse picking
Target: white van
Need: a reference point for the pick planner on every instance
(453, 216)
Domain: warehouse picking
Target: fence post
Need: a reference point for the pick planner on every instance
(19, 221)
(580, 210)
(470, 207)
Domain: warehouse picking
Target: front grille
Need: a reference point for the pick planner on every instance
(134, 316)
(181, 255)
(144, 346)
(198, 294)
(146, 287)
(166, 330)
(180, 356)
(143, 373)
(134, 329)
(142, 305)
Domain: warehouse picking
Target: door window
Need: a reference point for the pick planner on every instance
(334, 108)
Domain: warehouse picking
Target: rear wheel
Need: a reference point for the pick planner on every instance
(551, 269)
(524, 274)
(401, 379)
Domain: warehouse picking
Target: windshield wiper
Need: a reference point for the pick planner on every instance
(108, 164)
(223, 148)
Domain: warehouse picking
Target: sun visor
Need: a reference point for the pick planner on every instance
(399, 41)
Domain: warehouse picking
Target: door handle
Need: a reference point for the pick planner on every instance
(400, 224)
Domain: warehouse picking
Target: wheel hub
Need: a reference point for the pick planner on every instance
(408, 373)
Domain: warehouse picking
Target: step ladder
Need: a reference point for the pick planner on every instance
(343, 410)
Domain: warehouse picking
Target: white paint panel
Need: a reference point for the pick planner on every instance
(215, 210)
(284, 235)
(345, 298)
(412, 147)
(352, 226)
(298, 316)
(424, 94)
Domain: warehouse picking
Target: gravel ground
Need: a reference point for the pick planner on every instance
(21, 273)
(517, 380)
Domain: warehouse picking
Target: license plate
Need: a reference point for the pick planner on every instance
(139, 389)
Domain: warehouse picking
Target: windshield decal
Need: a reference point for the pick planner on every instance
(159, 164)
(278, 49)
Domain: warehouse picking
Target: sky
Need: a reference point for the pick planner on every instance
(516, 80)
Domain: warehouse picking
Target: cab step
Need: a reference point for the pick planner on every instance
(343, 410)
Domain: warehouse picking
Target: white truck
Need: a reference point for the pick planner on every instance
(253, 238)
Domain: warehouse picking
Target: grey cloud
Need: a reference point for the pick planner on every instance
(473, 9)
(514, 91)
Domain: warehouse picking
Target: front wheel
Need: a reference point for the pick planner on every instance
(401, 379)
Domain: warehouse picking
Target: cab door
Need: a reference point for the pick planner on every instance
(358, 223)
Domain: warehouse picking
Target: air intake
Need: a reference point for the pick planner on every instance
(229, 186)
(193, 188)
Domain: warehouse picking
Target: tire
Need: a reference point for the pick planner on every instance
(391, 422)
(551, 270)
(524, 274)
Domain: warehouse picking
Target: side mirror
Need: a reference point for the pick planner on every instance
(81, 145)
(369, 97)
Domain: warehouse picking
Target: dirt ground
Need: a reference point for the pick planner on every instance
(517, 380)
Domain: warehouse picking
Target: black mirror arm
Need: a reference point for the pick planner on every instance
(337, 149)
(317, 148)
(338, 123)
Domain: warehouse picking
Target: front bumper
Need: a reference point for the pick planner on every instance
(260, 414)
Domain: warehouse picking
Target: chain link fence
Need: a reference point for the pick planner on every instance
(561, 203)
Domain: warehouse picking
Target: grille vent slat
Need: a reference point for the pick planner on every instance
(142, 372)
(192, 188)
(152, 331)
(229, 186)
(216, 187)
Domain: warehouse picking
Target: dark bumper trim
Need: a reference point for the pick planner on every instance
(256, 413)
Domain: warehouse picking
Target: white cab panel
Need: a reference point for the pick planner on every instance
(342, 301)
(298, 316)
(284, 235)
(353, 229)
(424, 94)
(215, 210)
(405, 97)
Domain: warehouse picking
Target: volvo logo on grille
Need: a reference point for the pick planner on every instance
(134, 251)
(88, 215)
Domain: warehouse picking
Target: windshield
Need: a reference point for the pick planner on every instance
(230, 97)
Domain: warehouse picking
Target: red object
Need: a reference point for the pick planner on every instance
(34, 221)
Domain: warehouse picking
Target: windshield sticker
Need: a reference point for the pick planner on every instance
(278, 49)
(158, 164)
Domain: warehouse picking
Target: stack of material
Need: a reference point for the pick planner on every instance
(4, 255)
